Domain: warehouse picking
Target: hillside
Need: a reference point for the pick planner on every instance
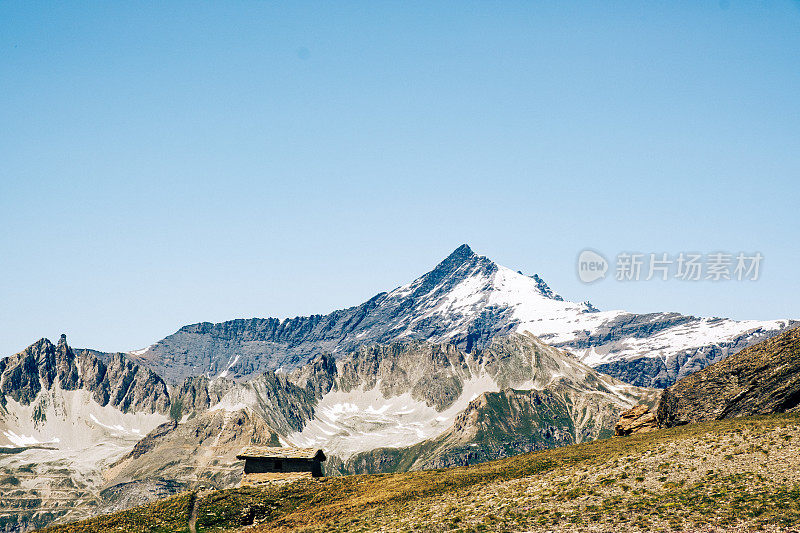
(761, 379)
(730, 475)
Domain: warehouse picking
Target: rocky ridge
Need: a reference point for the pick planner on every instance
(117, 382)
(466, 300)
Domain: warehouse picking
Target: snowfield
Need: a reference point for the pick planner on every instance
(71, 420)
(560, 322)
(346, 423)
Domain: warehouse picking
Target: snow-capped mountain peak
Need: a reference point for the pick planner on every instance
(466, 300)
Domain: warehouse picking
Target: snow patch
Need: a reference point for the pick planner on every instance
(24, 440)
(346, 423)
(225, 372)
(141, 351)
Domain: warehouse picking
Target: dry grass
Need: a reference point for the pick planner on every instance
(168, 515)
(732, 475)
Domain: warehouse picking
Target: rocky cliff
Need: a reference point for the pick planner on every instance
(117, 382)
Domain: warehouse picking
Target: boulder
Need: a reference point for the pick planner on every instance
(636, 420)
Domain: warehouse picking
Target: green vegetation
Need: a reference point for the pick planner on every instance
(673, 479)
(176, 410)
(168, 515)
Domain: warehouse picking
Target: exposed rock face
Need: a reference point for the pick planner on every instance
(66, 414)
(637, 420)
(200, 393)
(466, 300)
(431, 373)
(150, 440)
(282, 405)
(117, 382)
(22, 376)
(761, 379)
(127, 385)
(274, 398)
(318, 376)
(175, 457)
(404, 393)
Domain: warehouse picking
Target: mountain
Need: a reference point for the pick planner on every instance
(466, 300)
(724, 476)
(761, 379)
(374, 408)
(42, 384)
(64, 416)
(97, 434)
(405, 393)
(446, 370)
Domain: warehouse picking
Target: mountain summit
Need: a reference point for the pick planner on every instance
(466, 300)
(460, 255)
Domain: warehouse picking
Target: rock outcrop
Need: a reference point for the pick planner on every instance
(636, 420)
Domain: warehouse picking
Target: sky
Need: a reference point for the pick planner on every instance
(166, 163)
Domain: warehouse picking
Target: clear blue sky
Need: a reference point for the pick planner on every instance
(164, 163)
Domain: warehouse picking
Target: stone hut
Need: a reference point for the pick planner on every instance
(263, 464)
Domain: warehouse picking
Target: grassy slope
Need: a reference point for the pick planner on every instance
(739, 472)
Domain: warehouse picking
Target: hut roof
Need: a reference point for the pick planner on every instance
(286, 452)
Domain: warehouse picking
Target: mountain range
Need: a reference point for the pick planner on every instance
(472, 361)
(466, 300)
(104, 436)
